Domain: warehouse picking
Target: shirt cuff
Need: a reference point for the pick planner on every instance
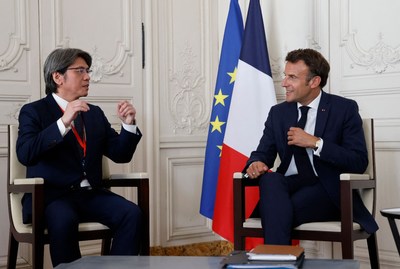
(132, 128)
(318, 151)
(61, 127)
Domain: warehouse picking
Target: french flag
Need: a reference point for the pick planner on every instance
(252, 97)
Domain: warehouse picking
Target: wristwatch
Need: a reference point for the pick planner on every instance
(317, 144)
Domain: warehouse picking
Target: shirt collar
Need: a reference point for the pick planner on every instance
(314, 104)
(60, 101)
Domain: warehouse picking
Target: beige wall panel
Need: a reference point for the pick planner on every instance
(365, 66)
(19, 83)
(185, 41)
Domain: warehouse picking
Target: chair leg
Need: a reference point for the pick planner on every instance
(105, 245)
(239, 242)
(145, 243)
(12, 252)
(37, 255)
(348, 249)
(373, 251)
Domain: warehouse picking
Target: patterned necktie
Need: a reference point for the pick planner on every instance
(301, 158)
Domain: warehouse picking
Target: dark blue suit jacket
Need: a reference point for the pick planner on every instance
(45, 153)
(339, 124)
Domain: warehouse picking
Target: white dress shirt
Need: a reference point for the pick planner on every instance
(309, 128)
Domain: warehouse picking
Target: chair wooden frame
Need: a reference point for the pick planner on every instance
(346, 231)
(36, 234)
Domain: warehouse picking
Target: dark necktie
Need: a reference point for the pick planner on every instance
(301, 158)
(78, 124)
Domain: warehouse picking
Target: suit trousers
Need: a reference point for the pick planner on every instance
(63, 216)
(286, 202)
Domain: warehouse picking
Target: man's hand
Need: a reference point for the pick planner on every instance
(126, 112)
(72, 110)
(298, 137)
(256, 169)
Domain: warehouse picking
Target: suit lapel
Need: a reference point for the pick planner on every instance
(292, 116)
(56, 112)
(322, 114)
(290, 121)
(53, 107)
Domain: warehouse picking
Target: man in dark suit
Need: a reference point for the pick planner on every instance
(63, 139)
(314, 149)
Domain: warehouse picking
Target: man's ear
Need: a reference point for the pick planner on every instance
(315, 82)
(58, 78)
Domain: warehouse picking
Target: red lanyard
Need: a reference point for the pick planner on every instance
(81, 140)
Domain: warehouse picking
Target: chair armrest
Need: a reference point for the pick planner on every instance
(358, 181)
(137, 179)
(244, 182)
(239, 193)
(238, 175)
(129, 175)
(29, 181)
(35, 186)
(27, 185)
(349, 183)
(354, 177)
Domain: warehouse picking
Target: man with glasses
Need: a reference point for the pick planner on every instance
(62, 139)
(317, 136)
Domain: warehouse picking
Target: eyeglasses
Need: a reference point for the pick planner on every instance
(81, 70)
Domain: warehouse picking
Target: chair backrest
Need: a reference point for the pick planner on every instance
(16, 169)
(106, 168)
(368, 195)
(368, 126)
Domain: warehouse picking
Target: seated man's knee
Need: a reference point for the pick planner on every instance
(132, 213)
(62, 225)
(135, 212)
(271, 181)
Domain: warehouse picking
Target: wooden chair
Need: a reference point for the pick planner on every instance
(35, 233)
(344, 231)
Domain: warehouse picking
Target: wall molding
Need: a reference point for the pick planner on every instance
(101, 67)
(377, 58)
(18, 41)
(175, 233)
(188, 107)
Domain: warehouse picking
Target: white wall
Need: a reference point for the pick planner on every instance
(183, 37)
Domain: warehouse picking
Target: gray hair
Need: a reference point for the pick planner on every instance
(58, 61)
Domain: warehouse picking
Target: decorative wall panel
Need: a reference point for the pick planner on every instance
(186, 70)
